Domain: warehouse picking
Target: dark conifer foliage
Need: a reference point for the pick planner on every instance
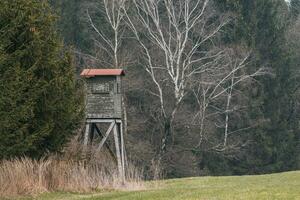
(72, 22)
(295, 8)
(39, 108)
(263, 26)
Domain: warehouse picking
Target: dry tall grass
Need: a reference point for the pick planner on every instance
(71, 172)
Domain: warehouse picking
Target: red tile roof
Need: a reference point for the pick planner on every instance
(87, 73)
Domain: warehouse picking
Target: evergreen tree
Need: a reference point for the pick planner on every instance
(39, 108)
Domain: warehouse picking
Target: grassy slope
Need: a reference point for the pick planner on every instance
(284, 186)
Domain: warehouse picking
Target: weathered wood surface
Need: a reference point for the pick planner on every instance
(118, 152)
(104, 98)
(86, 134)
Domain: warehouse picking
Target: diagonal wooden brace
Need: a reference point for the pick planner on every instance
(106, 135)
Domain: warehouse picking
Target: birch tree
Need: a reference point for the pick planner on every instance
(223, 85)
(178, 31)
(111, 43)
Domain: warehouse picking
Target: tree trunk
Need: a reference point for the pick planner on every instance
(167, 137)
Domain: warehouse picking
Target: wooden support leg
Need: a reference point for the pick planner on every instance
(118, 152)
(122, 149)
(86, 134)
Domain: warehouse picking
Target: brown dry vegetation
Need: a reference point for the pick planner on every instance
(74, 171)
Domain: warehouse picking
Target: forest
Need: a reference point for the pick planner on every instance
(211, 86)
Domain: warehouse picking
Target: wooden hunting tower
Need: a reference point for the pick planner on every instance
(104, 106)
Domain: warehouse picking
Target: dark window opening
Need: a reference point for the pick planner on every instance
(101, 88)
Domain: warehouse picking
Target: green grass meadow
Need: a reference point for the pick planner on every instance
(283, 186)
